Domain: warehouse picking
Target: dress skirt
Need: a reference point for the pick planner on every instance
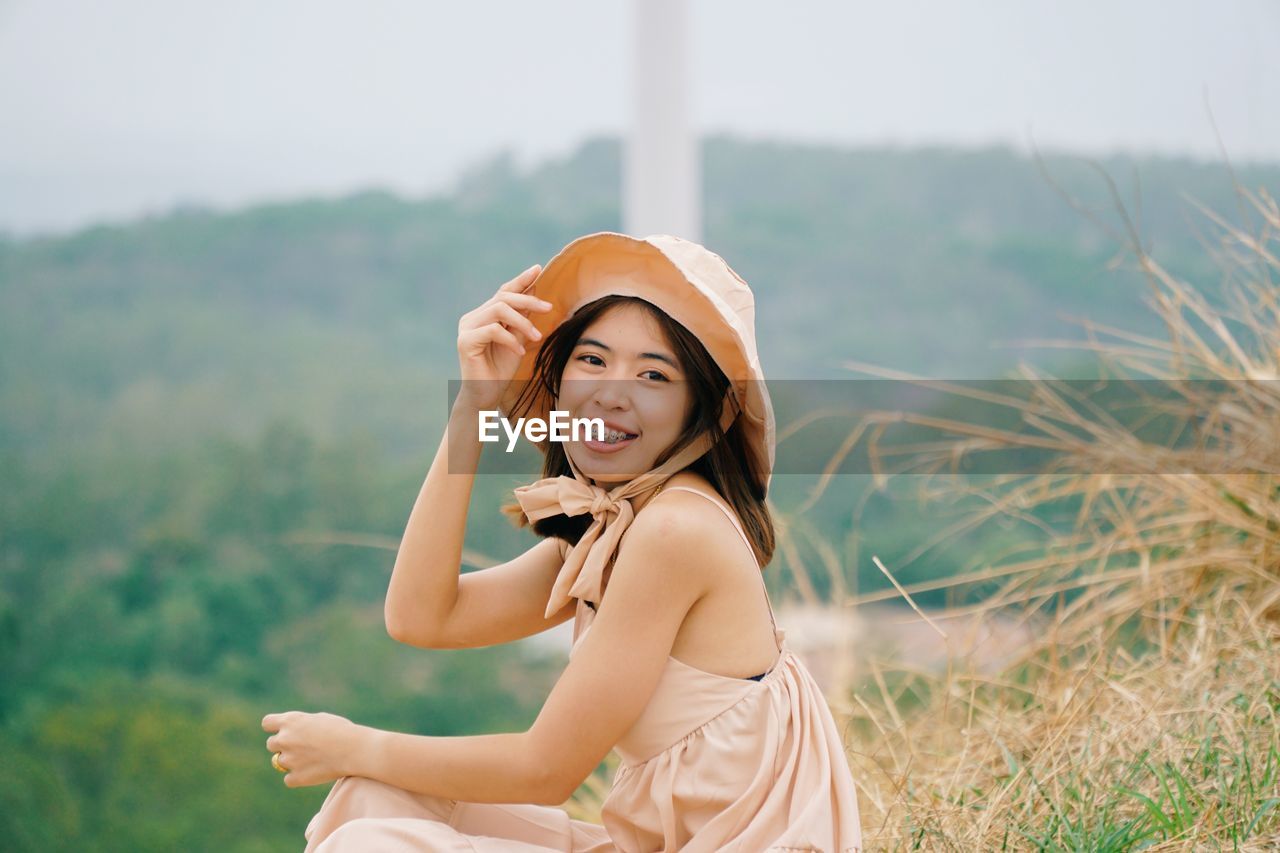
(367, 816)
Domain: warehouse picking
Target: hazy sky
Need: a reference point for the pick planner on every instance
(112, 109)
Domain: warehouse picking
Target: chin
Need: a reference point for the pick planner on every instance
(612, 477)
(606, 473)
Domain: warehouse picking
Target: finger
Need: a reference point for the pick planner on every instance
(495, 333)
(514, 320)
(497, 310)
(523, 301)
(478, 340)
(523, 280)
(474, 341)
(272, 743)
(273, 722)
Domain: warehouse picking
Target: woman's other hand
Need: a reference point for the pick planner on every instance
(314, 748)
(492, 338)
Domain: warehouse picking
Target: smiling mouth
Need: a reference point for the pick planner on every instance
(614, 441)
(615, 436)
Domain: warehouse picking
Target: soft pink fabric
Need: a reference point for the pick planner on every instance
(713, 764)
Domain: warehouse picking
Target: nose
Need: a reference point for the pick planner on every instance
(612, 393)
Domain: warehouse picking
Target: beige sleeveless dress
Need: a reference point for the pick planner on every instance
(714, 763)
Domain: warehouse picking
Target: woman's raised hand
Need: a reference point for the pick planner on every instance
(492, 337)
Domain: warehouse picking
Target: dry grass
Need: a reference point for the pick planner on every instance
(1145, 715)
(1105, 752)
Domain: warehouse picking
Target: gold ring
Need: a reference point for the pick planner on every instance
(275, 762)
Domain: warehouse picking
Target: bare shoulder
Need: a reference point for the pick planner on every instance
(706, 505)
(678, 522)
(668, 520)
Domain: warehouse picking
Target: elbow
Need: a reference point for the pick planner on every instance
(553, 790)
(408, 625)
(399, 630)
(392, 618)
(550, 782)
(395, 630)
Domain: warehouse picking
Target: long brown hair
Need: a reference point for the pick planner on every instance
(724, 466)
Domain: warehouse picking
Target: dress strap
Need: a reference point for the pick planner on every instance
(778, 633)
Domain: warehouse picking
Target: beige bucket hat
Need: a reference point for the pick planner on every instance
(694, 286)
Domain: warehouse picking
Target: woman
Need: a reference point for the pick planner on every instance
(725, 739)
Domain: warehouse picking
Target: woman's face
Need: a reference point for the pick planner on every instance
(623, 371)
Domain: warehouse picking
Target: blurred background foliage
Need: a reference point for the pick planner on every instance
(213, 426)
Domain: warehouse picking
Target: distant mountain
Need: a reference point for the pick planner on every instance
(342, 313)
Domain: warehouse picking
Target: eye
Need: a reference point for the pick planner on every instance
(653, 375)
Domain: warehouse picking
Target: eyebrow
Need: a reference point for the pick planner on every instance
(654, 355)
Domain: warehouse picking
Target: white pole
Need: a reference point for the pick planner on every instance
(662, 175)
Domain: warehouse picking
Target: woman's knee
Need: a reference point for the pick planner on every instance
(376, 835)
(363, 834)
(355, 797)
(359, 789)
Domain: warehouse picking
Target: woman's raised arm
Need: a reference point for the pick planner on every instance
(424, 580)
